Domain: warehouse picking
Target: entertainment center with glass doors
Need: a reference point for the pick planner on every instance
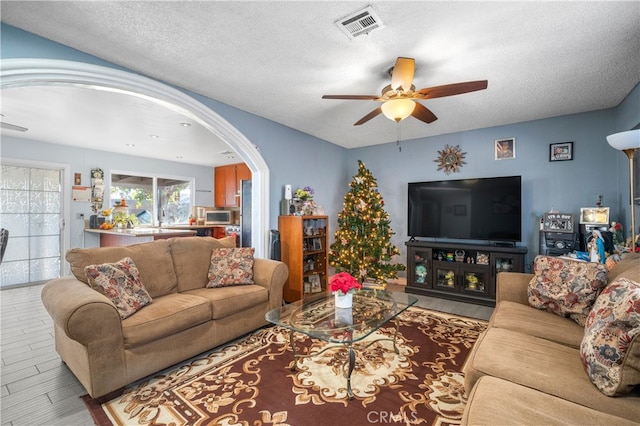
(463, 272)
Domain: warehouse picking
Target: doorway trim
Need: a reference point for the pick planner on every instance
(29, 72)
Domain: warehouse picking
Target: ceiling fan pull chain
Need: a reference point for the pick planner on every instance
(398, 137)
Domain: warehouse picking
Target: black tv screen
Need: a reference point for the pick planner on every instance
(472, 209)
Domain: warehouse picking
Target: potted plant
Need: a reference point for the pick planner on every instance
(124, 220)
(343, 285)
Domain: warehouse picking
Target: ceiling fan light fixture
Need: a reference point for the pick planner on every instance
(398, 109)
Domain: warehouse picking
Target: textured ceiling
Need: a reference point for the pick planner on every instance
(277, 59)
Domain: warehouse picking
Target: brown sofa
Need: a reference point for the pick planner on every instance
(184, 319)
(526, 367)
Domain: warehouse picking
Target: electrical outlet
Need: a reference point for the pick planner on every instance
(80, 216)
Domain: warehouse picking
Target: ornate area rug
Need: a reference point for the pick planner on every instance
(250, 381)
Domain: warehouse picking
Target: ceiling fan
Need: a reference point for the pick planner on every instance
(399, 98)
(10, 126)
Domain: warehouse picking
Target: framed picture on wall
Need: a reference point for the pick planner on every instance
(561, 151)
(505, 149)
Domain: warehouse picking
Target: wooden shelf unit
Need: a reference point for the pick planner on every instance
(304, 248)
(433, 270)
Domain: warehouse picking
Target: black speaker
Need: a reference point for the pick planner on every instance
(274, 245)
(558, 243)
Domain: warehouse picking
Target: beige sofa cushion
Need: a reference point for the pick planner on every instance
(544, 365)
(191, 257)
(227, 301)
(167, 315)
(495, 401)
(153, 260)
(629, 267)
(611, 346)
(534, 322)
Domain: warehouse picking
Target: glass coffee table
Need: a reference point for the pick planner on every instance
(317, 317)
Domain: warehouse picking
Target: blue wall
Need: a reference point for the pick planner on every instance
(299, 159)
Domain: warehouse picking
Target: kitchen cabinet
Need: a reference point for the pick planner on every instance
(227, 186)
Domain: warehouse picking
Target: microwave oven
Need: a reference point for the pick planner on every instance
(217, 217)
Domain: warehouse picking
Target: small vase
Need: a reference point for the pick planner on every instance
(343, 300)
(344, 317)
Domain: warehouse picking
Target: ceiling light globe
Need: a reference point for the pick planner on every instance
(624, 140)
(398, 109)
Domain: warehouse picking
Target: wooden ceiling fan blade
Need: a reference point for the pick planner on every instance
(369, 116)
(10, 126)
(402, 75)
(352, 97)
(452, 89)
(423, 113)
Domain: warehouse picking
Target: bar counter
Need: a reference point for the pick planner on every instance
(125, 237)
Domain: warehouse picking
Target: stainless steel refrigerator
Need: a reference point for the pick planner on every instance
(245, 214)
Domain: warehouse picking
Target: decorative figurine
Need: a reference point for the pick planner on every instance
(596, 247)
(421, 273)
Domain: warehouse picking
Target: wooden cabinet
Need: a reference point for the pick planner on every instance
(462, 272)
(303, 247)
(227, 186)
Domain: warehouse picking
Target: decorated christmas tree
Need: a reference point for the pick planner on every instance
(362, 244)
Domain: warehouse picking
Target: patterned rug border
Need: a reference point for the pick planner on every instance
(101, 418)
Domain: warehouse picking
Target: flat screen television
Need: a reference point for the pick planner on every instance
(471, 209)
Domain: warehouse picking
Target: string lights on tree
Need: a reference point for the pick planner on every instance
(362, 244)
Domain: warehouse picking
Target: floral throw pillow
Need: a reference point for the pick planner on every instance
(610, 349)
(566, 287)
(121, 283)
(231, 266)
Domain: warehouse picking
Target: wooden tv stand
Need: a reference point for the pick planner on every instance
(463, 272)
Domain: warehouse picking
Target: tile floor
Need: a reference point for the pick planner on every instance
(38, 389)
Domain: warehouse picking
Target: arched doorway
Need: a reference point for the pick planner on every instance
(22, 72)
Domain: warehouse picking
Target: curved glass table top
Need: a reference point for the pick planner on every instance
(317, 316)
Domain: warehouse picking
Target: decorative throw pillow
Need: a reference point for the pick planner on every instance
(231, 266)
(121, 283)
(610, 349)
(566, 287)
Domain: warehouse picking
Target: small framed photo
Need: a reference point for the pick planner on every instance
(557, 222)
(561, 151)
(505, 149)
(314, 280)
(594, 215)
(317, 244)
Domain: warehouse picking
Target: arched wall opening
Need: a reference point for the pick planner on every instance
(30, 72)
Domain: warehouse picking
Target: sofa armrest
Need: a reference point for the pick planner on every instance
(271, 274)
(512, 286)
(84, 314)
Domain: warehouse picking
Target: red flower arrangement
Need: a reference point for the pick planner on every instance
(344, 282)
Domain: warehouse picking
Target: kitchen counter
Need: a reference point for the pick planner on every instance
(125, 237)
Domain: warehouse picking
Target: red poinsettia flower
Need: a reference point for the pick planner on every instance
(343, 282)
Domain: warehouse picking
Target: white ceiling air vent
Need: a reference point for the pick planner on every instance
(359, 23)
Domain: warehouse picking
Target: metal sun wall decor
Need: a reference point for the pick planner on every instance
(450, 159)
